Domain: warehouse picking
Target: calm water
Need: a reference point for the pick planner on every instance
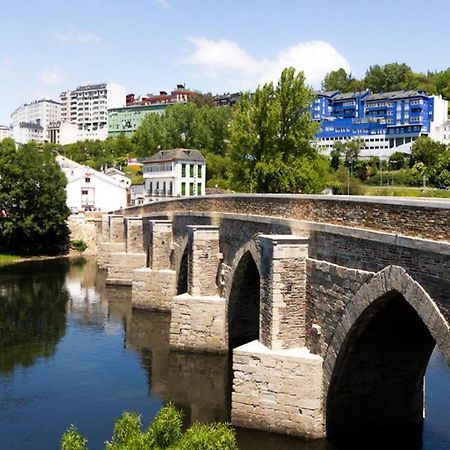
(73, 351)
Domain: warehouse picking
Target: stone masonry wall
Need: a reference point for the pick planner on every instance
(153, 289)
(278, 391)
(430, 268)
(198, 324)
(328, 289)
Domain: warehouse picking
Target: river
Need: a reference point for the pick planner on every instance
(72, 351)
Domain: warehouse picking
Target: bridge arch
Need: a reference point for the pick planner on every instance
(243, 296)
(376, 360)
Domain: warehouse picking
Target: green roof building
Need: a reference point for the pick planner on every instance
(127, 120)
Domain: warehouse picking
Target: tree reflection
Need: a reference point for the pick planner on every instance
(32, 312)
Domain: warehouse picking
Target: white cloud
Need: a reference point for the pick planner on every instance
(227, 60)
(162, 3)
(51, 76)
(73, 36)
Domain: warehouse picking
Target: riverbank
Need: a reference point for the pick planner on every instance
(9, 259)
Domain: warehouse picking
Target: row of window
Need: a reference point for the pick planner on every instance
(162, 167)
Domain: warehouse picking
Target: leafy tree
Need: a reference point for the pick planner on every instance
(271, 136)
(390, 77)
(337, 80)
(33, 198)
(426, 151)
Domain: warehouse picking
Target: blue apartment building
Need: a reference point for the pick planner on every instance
(386, 122)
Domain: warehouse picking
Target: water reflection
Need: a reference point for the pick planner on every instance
(32, 313)
(85, 356)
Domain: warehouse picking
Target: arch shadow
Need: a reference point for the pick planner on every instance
(243, 305)
(376, 361)
(181, 263)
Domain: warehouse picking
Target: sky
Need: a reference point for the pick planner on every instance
(48, 46)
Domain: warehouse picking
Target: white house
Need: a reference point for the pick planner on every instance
(89, 189)
(177, 172)
(119, 176)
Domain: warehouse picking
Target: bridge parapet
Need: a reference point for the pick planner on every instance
(425, 218)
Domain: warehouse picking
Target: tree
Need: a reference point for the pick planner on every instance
(390, 77)
(426, 151)
(33, 201)
(337, 80)
(271, 137)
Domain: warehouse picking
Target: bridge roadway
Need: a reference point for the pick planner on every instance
(331, 306)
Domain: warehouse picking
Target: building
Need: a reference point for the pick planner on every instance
(444, 132)
(137, 194)
(128, 119)
(88, 189)
(386, 122)
(119, 176)
(227, 99)
(87, 108)
(178, 95)
(178, 172)
(5, 132)
(31, 121)
(62, 133)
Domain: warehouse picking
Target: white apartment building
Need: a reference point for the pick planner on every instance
(87, 108)
(31, 120)
(4, 132)
(177, 172)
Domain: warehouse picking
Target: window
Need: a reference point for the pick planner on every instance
(87, 179)
(199, 171)
(191, 170)
(183, 188)
(191, 188)
(84, 192)
(183, 170)
(199, 188)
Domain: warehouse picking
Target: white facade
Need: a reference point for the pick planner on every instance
(444, 132)
(62, 133)
(4, 132)
(88, 189)
(41, 113)
(175, 173)
(26, 132)
(440, 117)
(87, 108)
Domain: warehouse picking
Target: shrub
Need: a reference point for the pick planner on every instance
(72, 440)
(78, 244)
(217, 436)
(164, 433)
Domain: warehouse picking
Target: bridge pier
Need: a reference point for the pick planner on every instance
(277, 383)
(154, 287)
(113, 239)
(198, 320)
(122, 264)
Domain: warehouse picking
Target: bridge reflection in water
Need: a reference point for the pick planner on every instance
(99, 321)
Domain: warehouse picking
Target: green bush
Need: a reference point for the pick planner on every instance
(72, 440)
(217, 436)
(164, 433)
(165, 430)
(78, 244)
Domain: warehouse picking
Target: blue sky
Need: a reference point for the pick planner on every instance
(47, 46)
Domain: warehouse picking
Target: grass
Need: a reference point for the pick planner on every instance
(8, 259)
(403, 191)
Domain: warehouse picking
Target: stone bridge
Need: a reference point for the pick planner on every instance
(331, 306)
